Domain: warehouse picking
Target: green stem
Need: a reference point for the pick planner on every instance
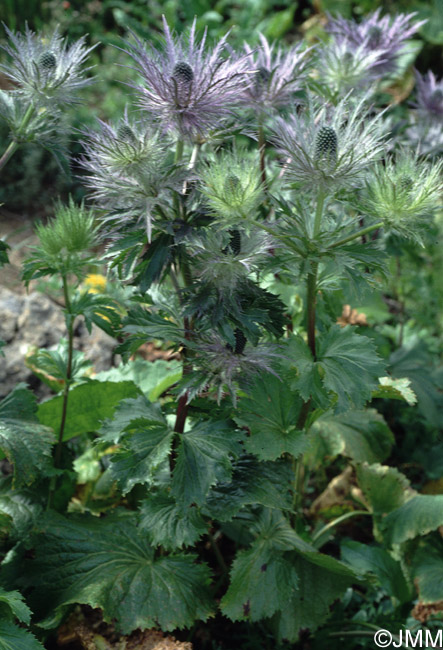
(177, 158)
(13, 146)
(337, 521)
(262, 150)
(58, 449)
(319, 211)
(217, 552)
(356, 235)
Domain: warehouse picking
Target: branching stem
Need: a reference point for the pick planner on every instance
(356, 235)
(14, 144)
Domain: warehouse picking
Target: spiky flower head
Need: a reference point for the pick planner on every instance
(223, 259)
(46, 71)
(430, 96)
(385, 36)
(329, 147)
(65, 241)
(278, 74)
(187, 87)
(232, 186)
(220, 365)
(129, 171)
(341, 67)
(403, 193)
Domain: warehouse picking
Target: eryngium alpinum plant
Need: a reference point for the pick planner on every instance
(233, 246)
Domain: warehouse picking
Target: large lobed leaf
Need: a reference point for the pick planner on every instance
(109, 563)
(346, 366)
(204, 457)
(88, 405)
(26, 443)
(271, 413)
(360, 435)
(13, 637)
(418, 516)
(170, 525)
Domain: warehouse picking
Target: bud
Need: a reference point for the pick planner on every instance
(232, 184)
(406, 182)
(182, 72)
(240, 341)
(374, 36)
(47, 61)
(326, 144)
(124, 132)
(235, 241)
(262, 77)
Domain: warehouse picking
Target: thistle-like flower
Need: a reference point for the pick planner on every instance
(329, 147)
(189, 90)
(232, 187)
(403, 193)
(278, 74)
(220, 365)
(430, 96)
(46, 71)
(222, 259)
(383, 36)
(342, 67)
(129, 170)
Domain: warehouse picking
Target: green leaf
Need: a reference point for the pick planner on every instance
(88, 405)
(51, 365)
(26, 443)
(97, 309)
(385, 488)
(347, 365)
(141, 455)
(12, 605)
(168, 525)
(390, 388)
(271, 412)
(152, 377)
(375, 560)
(360, 435)
(253, 482)
(204, 457)
(427, 570)
(22, 511)
(418, 516)
(132, 415)
(309, 607)
(108, 563)
(261, 584)
(13, 637)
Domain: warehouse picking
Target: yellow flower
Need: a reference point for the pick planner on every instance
(95, 283)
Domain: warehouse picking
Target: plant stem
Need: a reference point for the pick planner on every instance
(177, 158)
(319, 211)
(217, 552)
(58, 450)
(355, 235)
(337, 521)
(14, 145)
(262, 150)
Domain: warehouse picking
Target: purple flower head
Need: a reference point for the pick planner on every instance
(278, 74)
(187, 88)
(46, 71)
(430, 95)
(384, 36)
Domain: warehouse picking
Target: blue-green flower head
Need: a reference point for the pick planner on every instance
(68, 236)
(46, 71)
(404, 193)
(232, 187)
(329, 147)
(129, 171)
(225, 258)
